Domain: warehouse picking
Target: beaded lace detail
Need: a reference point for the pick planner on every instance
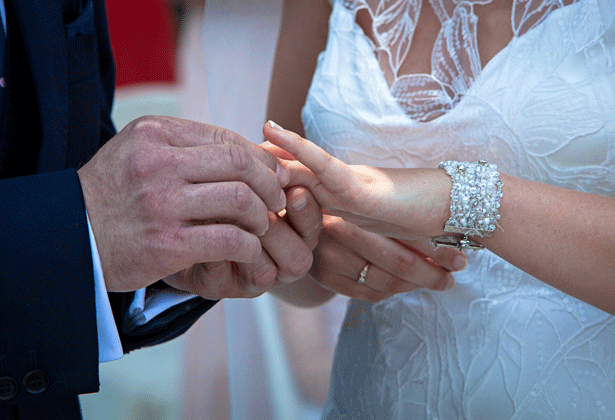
(455, 56)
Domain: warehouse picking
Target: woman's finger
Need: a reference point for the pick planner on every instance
(276, 151)
(390, 256)
(449, 258)
(337, 268)
(332, 172)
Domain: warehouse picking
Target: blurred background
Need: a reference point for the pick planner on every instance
(244, 359)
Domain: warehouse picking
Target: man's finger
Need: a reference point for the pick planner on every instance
(217, 242)
(232, 163)
(226, 202)
(185, 133)
(304, 214)
(287, 249)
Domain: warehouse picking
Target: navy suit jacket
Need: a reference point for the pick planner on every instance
(55, 115)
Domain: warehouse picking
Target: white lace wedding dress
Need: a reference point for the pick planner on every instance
(501, 344)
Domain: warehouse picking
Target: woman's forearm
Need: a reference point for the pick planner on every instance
(565, 238)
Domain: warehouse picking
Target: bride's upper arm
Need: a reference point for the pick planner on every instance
(303, 35)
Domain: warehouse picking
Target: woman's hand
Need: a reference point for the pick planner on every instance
(562, 237)
(345, 249)
(398, 203)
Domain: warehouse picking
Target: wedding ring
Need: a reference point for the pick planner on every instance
(363, 274)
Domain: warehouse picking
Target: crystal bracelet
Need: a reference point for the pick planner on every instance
(475, 203)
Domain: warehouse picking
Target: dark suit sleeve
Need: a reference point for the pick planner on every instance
(47, 308)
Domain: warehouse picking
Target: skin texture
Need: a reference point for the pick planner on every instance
(395, 265)
(190, 203)
(559, 236)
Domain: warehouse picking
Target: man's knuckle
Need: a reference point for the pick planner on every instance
(301, 264)
(145, 164)
(263, 278)
(239, 158)
(148, 126)
(224, 136)
(230, 240)
(242, 198)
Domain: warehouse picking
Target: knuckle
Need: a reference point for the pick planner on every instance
(274, 224)
(263, 278)
(239, 158)
(145, 164)
(242, 199)
(224, 136)
(230, 240)
(403, 265)
(330, 255)
(301, 264)
(338, 226)
(147, 126)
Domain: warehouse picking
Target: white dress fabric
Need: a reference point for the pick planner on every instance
(500, 344)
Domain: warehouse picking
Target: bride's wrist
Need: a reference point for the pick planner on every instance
(431, 196)
(474, 203)
(442, 202)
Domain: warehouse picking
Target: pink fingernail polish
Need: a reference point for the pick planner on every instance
(275, 126)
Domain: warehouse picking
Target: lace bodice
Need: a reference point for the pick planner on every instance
(455, 58)
(501, 344)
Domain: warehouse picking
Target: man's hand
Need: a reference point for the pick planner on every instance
(166, 194)
(285, 257)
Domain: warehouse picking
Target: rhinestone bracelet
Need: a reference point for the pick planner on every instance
(475, 201)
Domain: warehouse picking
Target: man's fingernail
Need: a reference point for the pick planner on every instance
(275, 126)
(450, 282)
(298, 203)
(282, 199)
(283, 174)
(460, 263)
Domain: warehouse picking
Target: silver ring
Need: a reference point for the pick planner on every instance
(363, 274)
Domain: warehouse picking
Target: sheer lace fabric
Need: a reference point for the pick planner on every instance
(501, 344)
(455, 57)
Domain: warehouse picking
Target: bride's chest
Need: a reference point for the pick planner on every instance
(542, 106)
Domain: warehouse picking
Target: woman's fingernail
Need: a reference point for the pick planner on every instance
(460, 262)
(275, 126)
(298, 203)
(450, 282)
(283, 174)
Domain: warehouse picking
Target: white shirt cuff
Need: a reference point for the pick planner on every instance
(109, 344)
(146, 305)
(151, 303)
